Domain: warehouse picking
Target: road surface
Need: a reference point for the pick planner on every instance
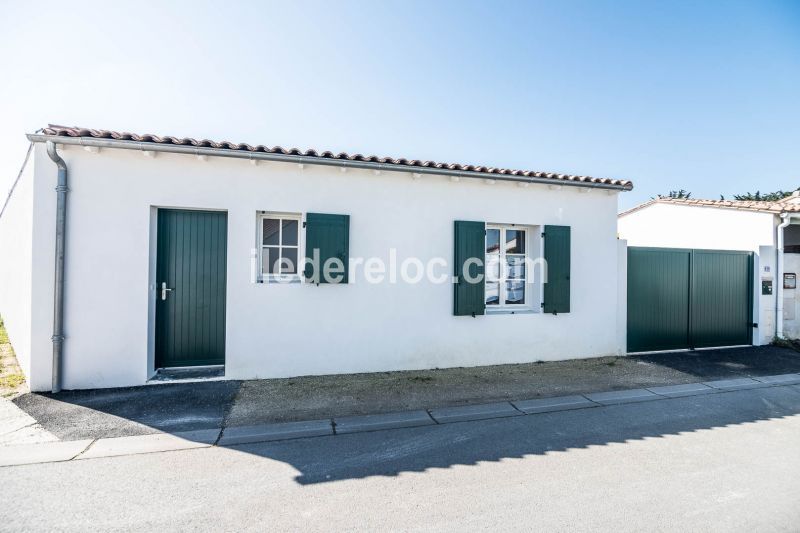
(728, 461)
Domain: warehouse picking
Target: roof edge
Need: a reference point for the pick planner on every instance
(772, 208)
(341, 160)
(637, 208)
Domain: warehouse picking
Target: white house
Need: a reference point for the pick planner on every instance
(768, 230)
(187, 253)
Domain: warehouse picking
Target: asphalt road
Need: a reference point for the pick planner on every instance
(719, 462)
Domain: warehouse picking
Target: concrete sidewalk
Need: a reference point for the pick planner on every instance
(18, 427)
(242, 435)
(177, 407)
(182, 407)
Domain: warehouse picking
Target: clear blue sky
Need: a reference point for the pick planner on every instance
(703, 96)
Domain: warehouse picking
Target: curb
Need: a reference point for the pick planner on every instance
(85, 449)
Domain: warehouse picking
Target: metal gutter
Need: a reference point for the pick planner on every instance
(58, 296)
(308, 160)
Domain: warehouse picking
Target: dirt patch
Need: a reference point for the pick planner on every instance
(12, 380)
(793, 344)
(315, 397)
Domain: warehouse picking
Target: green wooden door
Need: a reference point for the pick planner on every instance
(722, 302)
(682, 298)
(658, 299)
(190, 288)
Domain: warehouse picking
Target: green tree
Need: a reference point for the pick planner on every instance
(676, 194)
(765, 197)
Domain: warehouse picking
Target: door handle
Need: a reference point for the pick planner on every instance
(165, 290)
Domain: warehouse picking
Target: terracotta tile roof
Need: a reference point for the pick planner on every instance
(64, 131)
(780, 206)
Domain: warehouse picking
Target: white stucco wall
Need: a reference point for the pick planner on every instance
(289, 330)
(16, 227)
(27, 252)
(679, 226)
(765, 266)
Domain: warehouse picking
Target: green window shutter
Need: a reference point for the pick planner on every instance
(330, 234)
(470, 242)
(557, 256)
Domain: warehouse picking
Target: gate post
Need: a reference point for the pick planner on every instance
(622, 296)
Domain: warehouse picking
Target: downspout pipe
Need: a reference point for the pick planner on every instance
(786, 219)
(58, 296)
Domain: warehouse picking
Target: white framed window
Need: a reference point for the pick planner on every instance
(279, 238)
(507, 250)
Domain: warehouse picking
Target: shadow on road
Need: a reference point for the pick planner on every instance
(401, 452)
(180, 407)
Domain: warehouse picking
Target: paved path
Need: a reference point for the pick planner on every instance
(724, 461)
(176, 407)
(17, 427)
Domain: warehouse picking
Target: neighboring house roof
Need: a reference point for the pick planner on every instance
(402, 163)
(790, 204)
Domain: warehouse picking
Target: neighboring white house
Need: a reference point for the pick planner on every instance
(170, 246)
(768, 229)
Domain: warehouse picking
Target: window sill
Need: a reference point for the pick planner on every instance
(523, 311)
(276, 281)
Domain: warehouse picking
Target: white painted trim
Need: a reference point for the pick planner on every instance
(277, 215)
(151, 369)
(197, 367)
(680, 350)
(184, 380)
(529, 305)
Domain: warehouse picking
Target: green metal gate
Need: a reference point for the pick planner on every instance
(683, 298)
(190, 289)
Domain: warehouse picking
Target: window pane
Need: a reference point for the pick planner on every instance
(492, 293)
(268, 258)
(271, 236)
(288, 260)
(515, 267)
(515, 292)
(515, 241)
(492, 240)
(493, 267)
(289, 233)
